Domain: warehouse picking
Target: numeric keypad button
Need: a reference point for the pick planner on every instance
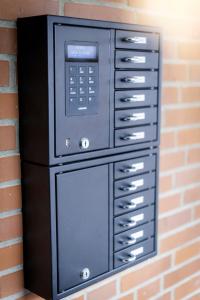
(91, 70)
(91, 90)
(91, 80)
(82, 90)
(72, 91)
(82, 100)
(82, 70)
(72, 80)
(82, 80)
(72, 70)
(91, 100)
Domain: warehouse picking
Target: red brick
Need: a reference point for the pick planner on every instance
(157, 5)
(190, 94)
(184, 116)
(168, 140)
(188, 136)
(78, 298)
(195, 297)
(181, 273)
(171, 27)
(114, 1)
(187, 288)
(30, 296)
(165, 183)
(134, 278)
(171, 161)
(192, 195)
(99, 12)
(8, 106)
(9, 168)
(174, 221)
(168, 7)
(11, 10)
(11, 228)
(188, 177)
(169, 203)
(187, 252)
(166, 296)
(4, 73)
(179, 238)
(183, 28)
(11, 256)
(197, 212)
(189, 50)
(169, 49)
(194, 72)
(149, 290)
(8, 38)
(128, 297)
(175, 72)
(194, 156)
(11, 284)
(10, 198)
(169, 95)
(144, 18)
(105, 292)
(7, 138)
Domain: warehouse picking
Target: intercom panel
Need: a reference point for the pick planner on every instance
(82, 72)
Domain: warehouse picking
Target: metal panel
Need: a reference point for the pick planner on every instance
(134, 219)
(133, 202)
(136, 79)
(135, 135)
(132, 254)
(134, 184)
(135, 98)
(133, 236)
(83, 237)
(136, 60)
(132, 117)
(137, 40)
(134, 166)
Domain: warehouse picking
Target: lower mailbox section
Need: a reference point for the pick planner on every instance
(88, 220)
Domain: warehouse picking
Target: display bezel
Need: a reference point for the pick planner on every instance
(81, 44)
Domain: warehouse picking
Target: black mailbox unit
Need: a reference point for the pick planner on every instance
(89, 137)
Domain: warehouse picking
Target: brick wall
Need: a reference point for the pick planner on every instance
(175, 272)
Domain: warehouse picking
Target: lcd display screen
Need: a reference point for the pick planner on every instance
(81, 52)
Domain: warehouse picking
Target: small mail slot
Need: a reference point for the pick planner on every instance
(137, 40)
(89, 102)
(136, 79)
(136, 60)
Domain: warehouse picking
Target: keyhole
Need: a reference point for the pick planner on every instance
(85, 273)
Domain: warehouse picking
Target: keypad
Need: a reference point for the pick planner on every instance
(82, 88)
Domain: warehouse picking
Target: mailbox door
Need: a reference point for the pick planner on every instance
(82, 218)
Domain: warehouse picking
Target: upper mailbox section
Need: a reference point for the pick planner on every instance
(86, 88)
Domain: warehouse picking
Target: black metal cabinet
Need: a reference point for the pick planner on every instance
(89, 96)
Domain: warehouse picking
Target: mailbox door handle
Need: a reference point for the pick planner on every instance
(136, 40)
(134, 79)
(134, 98)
